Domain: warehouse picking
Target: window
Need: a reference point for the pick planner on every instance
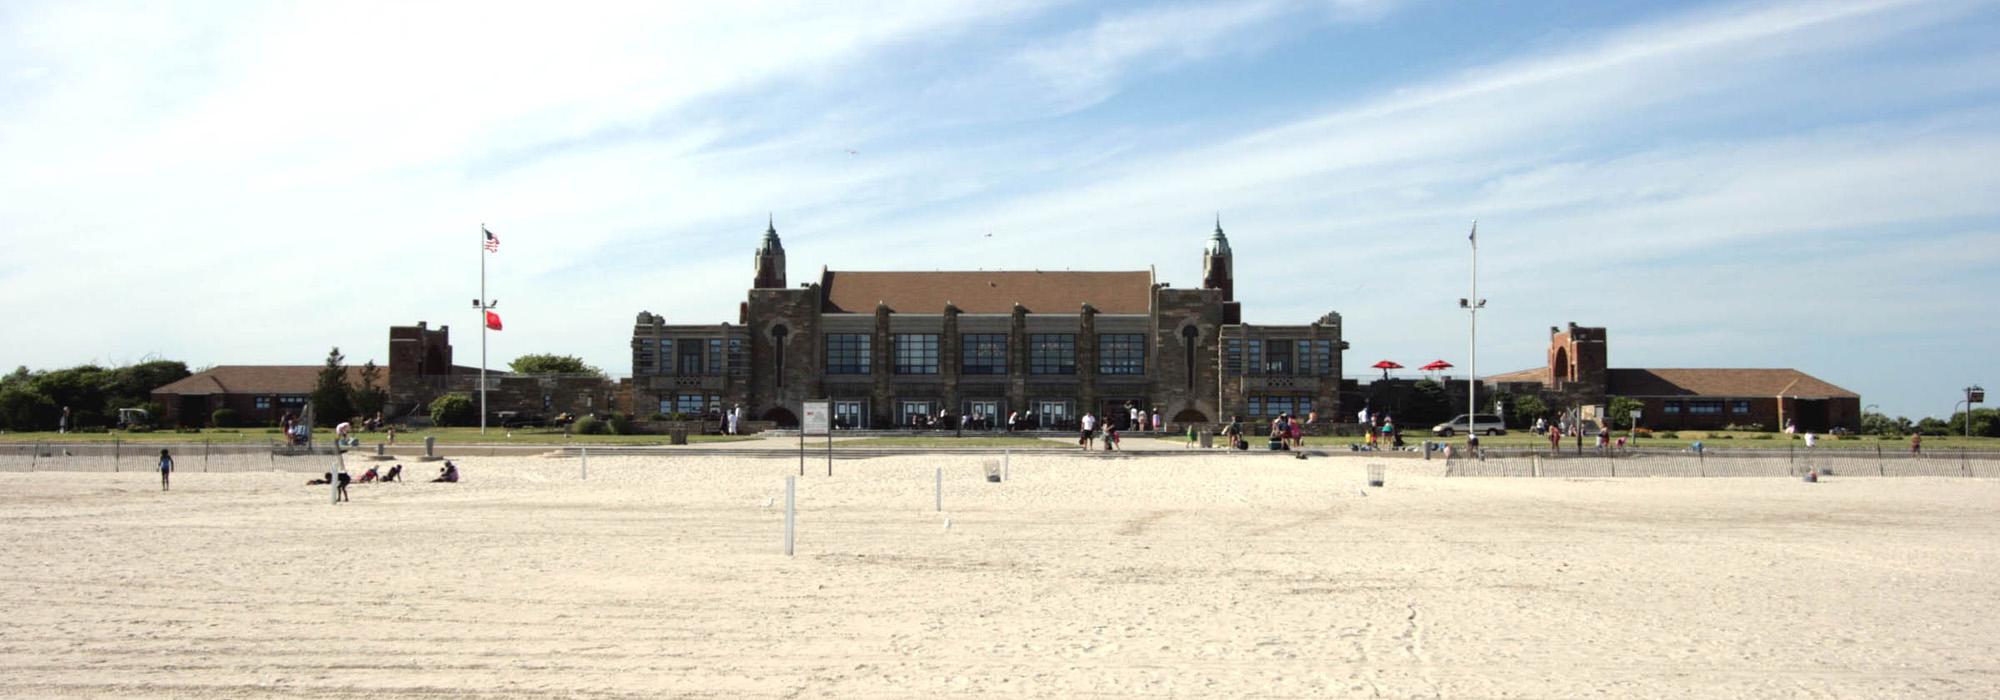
(737, 364)
(1739, 406)
(1277, 405)
(1305, 406)
(292, 401)
(1705, 408)
(690, 404)
(847, 353)
(1278, 357)
(916, 353)
(847, 414)
(688, 362)
(1232, 362)
(666, 365)
(1253, 363)
(715, 356)
(642, 356)
(1256, 407)
(263, 403)
(1672, 408)
(1121, 353)
(984, 353)
(1322, 358)
(1052, 353)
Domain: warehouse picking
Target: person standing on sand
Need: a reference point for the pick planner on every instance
(62, 422)
(1191, 436)
(1088, 432)
(166, 468)
(1916, 443)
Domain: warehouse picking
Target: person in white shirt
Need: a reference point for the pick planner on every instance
(1089, 431)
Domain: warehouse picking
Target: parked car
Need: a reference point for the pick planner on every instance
(1489, 424)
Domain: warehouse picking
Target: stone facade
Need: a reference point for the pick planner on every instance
(889, 347)
(420, 369)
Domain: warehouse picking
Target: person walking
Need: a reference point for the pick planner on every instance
(1916, 443)
(1191, 436)
(166, 468)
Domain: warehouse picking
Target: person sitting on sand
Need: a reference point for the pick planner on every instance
(448, 475)
(395, 474)
(324, 479)
(370, 476)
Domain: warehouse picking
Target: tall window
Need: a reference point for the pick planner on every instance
(847, 353)
(1232, 362)
(715, 356)
(1052, 353)
(1278, 357)
(690, 357)
(1254, 361)
(1121, 353)
(737, 363)
(984, 353)
(666, 365)
(1322, 355)
(916, 353)
(642, 356)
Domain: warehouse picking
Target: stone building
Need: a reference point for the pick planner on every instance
(893, 348)
(420, 369)
(1578, 376)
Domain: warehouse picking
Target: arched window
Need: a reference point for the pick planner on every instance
(778, 335)
(1188, 336)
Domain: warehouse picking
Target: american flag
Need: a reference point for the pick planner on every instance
(492, 241)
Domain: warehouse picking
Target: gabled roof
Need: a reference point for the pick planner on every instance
(256, 379)
(1721, 382)
(994, 292)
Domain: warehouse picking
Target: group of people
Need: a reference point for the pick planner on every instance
(1087, 435)
(446, 475)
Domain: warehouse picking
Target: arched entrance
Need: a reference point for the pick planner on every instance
(1189, 415)
(783, 417)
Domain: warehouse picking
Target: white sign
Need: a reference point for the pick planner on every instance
(1635, 415)
(818, 418)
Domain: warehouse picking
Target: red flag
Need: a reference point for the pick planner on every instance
(493, 320)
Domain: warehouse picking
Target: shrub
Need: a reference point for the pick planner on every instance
(1760, 436)
(590, 425)
(1721, 436)
(1745, 427)
(223, 418)
(660, 417)
(454, 409)
(620, 425)
(1642, 432)
(1668, 436)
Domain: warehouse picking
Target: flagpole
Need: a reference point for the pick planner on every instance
(1472, 351)
(482, 328)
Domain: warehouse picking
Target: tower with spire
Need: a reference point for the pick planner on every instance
(770, 259)
(1218, 264)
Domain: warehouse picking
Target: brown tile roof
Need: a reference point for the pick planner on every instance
(1538, 374)
(256, 379)
(1721, 382)
(996, 292)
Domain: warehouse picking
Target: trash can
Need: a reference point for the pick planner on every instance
(1207, 439)
(678, 435)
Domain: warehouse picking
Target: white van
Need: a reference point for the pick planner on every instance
(1489, 424)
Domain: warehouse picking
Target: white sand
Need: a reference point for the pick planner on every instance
(1219, 575)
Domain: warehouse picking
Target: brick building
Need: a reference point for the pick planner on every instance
(259, 394)
(890, 347)
(1676, 399)
(420, 369)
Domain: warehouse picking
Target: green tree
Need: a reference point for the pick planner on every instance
(133, 385)
(332, 398)
(1526, 409)
(454, 409)
(552, 364)
(1985, 422)
(23, 409)
(1874, 423)
(370, 396)
(1621, 408)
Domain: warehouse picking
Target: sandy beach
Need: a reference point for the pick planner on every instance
(1209, 575)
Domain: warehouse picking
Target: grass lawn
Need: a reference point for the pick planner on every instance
(445, 436)
(925, 441)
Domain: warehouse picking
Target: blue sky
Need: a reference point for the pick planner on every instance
(1783, 184)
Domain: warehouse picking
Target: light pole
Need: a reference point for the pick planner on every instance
(1973, 394)
(1472, 305)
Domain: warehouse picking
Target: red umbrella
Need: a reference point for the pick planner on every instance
(1385, 366)
(1435, 366)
